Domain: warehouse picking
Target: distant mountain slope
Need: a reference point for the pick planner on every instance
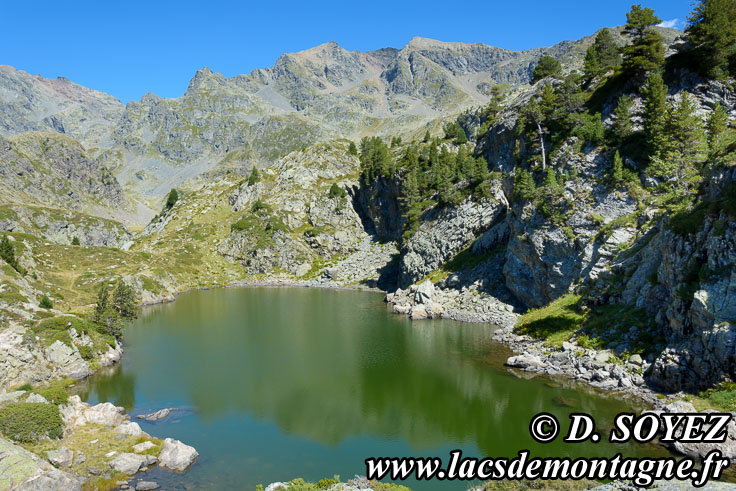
(54, 170)
(33, 103)
(306, 97)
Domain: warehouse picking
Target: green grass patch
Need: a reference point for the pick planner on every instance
(596, 328)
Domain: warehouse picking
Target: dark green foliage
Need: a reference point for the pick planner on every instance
(546, 67)
(622, 126)
(259, 206)
(717, 128)
(352, 149)
(375, 159)
(395, 141)
(124, 300)
(75, 241)
(712, 30)
(524, 187)
(254, 177)
(172, 198)
(690, 220)
(617, 175)
(655, 113)
(7, 253)
(455, 132)
(46, 303)
(588, 127)
(336, 191)
(107, 312)
(28, 422)
(427, 137)
(646, 51)
(683, 148)
(55, 395)
(603, 56)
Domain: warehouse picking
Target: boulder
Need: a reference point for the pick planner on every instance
(130, 463)
(176, 455)
(142, 447)
(130, 428)
(11, 396)
(636, 360)
(525, 360)
(61, 457)
(423, 293)
(67, 360)
(418, 312)
(146, 486)
(37, 398)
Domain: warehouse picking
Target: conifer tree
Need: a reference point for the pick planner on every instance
(352, 149)
(655, 113)
(622, 127)
(712, 30)
(646, 51)
(546, 67)
(254, 177)
(426, 137)
(617, 175)
(684, 148)
(717, 127)
(604, 55)
(524, 187)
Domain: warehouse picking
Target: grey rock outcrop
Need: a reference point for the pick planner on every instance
(176, 455)
(20, 469)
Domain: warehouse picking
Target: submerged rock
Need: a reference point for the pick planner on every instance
(157, 415)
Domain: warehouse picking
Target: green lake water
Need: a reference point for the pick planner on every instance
(279, 383)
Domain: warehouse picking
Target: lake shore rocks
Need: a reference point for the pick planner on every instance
(176, 455)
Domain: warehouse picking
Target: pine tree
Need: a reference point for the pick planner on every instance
(617, 175)
(712, 30)
(254, 177)
(604, 55)
(622, 127)
(352, 149)
(685, 146)
(124, 301)
(717, 127)
(7, 253)
(655, 113)
(546, 67)
(410, 191)
(75, 241)
(646, 51)
(524, 187)
(172, 198)
(102, 305)
(426, 137)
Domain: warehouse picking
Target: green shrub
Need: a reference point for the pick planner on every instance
(86, 352)
(27, 387)
(75, 240)
(30, 421)
(259, 206)
(46, 303)
(55, 395)
(336, 191)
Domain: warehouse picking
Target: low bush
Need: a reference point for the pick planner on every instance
(55, 395)
(30, 421)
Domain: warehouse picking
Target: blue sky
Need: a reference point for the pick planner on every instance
(130, 48)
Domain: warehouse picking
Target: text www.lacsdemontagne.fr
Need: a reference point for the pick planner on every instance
(642, 471)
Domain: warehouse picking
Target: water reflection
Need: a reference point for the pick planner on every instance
(336, 372)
